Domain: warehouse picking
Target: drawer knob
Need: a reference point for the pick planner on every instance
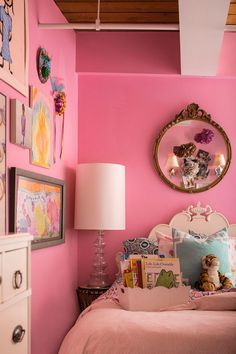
(18, 334)
(17, 279)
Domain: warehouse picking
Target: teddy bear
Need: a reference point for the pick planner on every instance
(210, 278)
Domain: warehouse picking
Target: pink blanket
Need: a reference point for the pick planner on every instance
(105, 328)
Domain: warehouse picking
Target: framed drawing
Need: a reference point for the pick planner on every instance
(2, 164)
(37, 206)
(21, 124)
(14, 44)
(41, 129)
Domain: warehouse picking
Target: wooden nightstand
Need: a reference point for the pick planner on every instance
(87, 294)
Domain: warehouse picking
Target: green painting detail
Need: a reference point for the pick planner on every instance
(167, 279)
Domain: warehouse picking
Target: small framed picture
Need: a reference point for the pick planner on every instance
(2, 163)
(203, 155)
(188, 182)
(21, 124)
(37, 206)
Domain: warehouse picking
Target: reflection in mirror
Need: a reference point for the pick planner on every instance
(192, 153)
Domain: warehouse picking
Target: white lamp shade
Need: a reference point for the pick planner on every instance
(219, 160)
(172, 161)
(100, 196)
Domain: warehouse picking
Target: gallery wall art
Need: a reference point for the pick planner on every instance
(43, 65)
(37, 206)
(41, 129)
(59, 97)
(14, 44)
(21, 124)
(2, 163)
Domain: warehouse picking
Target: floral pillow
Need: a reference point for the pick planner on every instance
(165, 245)
(189, 249)
(140, 245)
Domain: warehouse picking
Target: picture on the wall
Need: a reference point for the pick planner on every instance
(21, 124)
(37, 206)
(41, 129)
(14, 44)
(2, 164)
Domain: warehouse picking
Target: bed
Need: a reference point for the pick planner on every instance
(205, 325)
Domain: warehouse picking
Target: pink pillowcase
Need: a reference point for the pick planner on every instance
(165, 245)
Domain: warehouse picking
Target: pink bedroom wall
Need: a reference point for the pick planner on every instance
(128, 52)
(54, 269)
(121, 114)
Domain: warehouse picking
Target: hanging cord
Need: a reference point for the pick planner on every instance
(97, 22)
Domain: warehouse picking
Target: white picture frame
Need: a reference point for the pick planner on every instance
(14, 58)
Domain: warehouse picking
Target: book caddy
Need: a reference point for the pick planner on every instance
(151, 283)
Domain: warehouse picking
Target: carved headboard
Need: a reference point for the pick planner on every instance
(196, 218)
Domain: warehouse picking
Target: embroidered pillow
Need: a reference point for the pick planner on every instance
(232, 257)
(165, 245)
(232, 249)
(218, 234)
(189, 249)
(141, 245)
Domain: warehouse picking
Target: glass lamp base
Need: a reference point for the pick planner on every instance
(98, 282)
(99, 276)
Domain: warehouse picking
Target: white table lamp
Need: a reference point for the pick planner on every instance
(100, 205)
(172, 164)
(219, 163)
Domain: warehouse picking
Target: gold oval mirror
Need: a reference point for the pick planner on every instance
(192, 153)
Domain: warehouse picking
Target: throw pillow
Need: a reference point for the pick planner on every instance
(232, 248)
(189, 249)
(140, 245)
(165, 245)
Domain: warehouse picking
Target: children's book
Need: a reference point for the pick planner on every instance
(161, 272)
(136, 270)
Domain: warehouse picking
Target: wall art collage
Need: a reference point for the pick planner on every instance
(34, 125)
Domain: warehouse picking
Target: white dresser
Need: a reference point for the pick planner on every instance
(15, 293)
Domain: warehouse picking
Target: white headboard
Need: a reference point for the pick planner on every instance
(199, 219)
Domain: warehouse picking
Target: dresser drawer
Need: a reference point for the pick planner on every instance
(14, 336)
(14, 273)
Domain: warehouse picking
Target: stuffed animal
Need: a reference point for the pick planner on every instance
(210, 278)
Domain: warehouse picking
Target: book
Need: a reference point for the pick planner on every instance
(136, 267)
(149, 271)
(161, 272)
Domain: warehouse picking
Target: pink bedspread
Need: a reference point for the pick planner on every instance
(207, 325)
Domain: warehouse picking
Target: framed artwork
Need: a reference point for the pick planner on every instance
(2, 164)
(21, 124)
(14, 44)
(37, 206)
(41, 129)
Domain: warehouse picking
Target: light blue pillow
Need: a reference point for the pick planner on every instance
(190, 249)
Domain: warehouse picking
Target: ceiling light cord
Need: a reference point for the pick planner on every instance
(97, 22)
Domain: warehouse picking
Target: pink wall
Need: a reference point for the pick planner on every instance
(54, 269)
(142, 52)
(128, 52)
(120, 115)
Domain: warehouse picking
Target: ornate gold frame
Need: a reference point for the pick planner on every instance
(192, 112)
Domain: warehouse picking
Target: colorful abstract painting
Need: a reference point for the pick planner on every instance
(21, 124)
(41, 129)
(2, 163)
(37, 206)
